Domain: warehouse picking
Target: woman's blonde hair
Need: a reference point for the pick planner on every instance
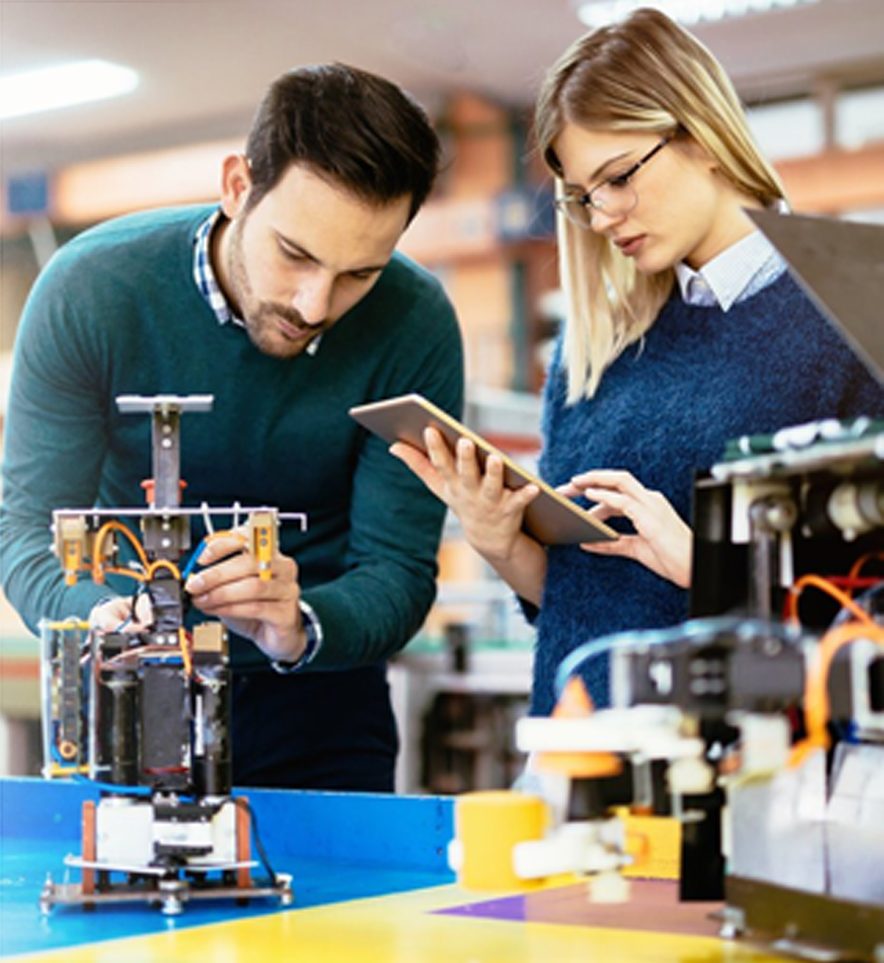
(643, 74)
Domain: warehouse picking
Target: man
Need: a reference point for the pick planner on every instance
(289, 305)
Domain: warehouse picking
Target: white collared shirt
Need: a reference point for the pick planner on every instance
(734, 275)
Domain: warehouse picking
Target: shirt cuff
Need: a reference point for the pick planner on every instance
(313, 631)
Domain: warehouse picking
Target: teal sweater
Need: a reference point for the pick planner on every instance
(117, 311)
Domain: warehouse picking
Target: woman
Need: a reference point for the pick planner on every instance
(684, 330)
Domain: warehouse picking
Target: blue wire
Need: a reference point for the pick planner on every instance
(117, 788)
(192, 561)
(693, 631)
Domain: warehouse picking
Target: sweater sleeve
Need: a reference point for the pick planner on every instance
(378, 604)
(55, 442)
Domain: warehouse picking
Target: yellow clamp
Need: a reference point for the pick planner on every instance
(263, 541)
(70, 546)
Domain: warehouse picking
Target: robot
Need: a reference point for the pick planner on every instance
(145, 716)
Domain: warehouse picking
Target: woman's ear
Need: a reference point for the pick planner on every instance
(699, 153)
(236, 182)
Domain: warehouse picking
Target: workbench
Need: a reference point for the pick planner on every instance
(371, 885)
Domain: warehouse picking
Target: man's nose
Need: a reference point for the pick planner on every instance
(313, 299)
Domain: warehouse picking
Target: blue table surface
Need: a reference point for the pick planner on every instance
(335, 846)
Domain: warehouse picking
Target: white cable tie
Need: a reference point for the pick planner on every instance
(207, 518)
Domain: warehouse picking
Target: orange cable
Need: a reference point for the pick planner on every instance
(159, 563)
(97, 573)
(819, 582)
(128, 572)
(816, 695)
(185, 651)
(861, 561)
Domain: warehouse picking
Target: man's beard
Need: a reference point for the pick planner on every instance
(260, 317)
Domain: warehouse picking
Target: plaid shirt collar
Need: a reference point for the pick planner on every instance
(204, 274)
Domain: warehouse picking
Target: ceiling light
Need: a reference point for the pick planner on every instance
(63, 86)
(596, 13)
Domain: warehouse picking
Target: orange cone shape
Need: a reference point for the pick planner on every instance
(575, 703)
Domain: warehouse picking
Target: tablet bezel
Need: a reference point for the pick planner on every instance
(551, 518)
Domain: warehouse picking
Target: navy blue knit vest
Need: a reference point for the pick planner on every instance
(665, 409)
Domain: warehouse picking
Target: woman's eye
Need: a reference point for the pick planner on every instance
(620, 180)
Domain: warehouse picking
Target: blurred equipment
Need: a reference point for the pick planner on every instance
(791, 539)
(145, 715)
(760, 728)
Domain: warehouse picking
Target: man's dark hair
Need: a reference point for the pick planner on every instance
(353, 128)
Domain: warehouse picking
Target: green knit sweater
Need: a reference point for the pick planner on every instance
(117, 311)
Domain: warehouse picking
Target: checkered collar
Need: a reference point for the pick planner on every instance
(204, 273)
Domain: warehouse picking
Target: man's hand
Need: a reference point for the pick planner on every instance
(662, 541)
(116, 615)
(264, 610)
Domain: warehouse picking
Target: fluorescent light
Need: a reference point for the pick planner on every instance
(596, 13)
(63, 86)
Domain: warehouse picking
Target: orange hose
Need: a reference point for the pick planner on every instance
(159, 563)
(816, 695)
(861, 561)
(97, 554)
(817, 581)
(183, 642)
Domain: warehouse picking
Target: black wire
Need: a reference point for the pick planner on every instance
(139, 590)
(253, 823)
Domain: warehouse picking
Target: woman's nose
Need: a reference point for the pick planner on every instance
(602, 220)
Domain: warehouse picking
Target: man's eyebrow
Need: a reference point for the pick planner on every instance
(289, 243)
(296, 248)
(302, 251)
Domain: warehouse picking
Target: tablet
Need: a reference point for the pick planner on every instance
(551, 518)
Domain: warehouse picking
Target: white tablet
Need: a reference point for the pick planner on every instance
(551, 518)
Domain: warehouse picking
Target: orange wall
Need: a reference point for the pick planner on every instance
(837, 181)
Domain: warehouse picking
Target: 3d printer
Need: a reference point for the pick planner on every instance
(145, 715)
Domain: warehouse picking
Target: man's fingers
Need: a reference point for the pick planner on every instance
(235, 568)
(221, 546)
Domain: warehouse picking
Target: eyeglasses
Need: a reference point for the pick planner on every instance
(615, 196)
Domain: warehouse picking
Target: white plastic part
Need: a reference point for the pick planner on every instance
(585, 847)
(690, 777)
(765, 744)
(608, 888)
(652, 731)
(455, 855)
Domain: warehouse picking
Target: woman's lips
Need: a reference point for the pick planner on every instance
(629, 246)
